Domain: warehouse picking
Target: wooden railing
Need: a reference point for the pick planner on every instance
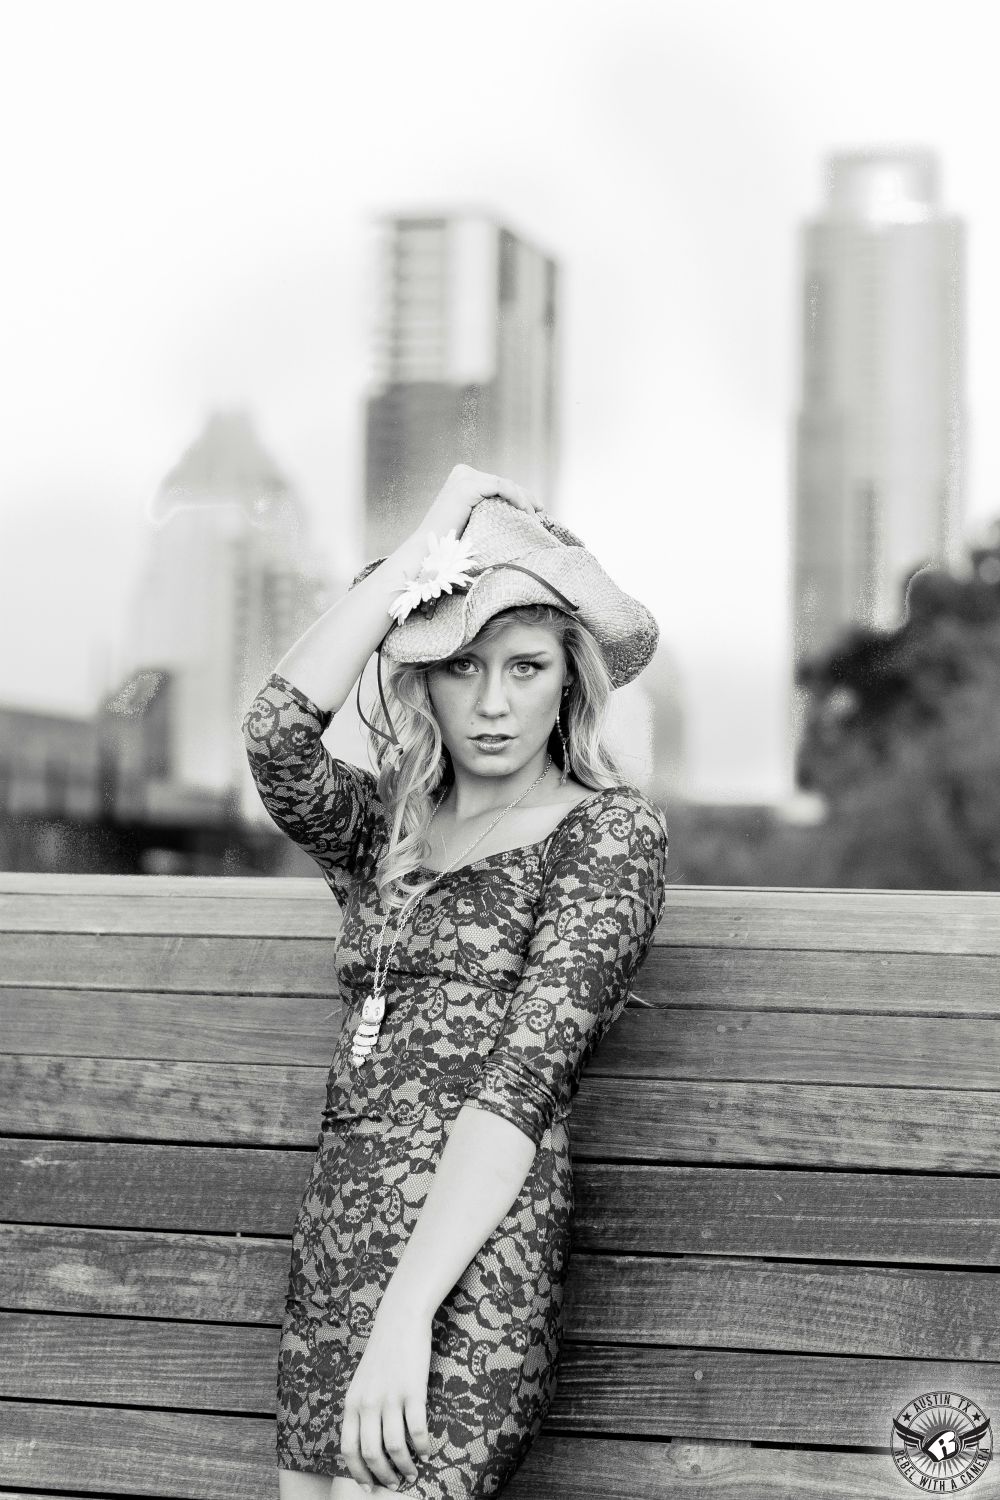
(788, 1216)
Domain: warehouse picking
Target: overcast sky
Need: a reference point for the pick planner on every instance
(187, 190)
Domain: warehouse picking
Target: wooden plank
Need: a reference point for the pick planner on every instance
(181, 1027)
(868, 1216)
(649, 1393)
(244, 965)
(560, 1468)
(736, 917)
(151, 1453)
(891, 1129)
(829, 981)
(163, 887)
(115, 1184)
(709, 1301)
(212, 915)
(754, 1046)
(792, 1047)
(675, 1210)
(804, 1307)
(108, 1098)
(934, 1130)
(583, 1468)
(216, 1278)
(681, 978)
(690, 1470)
(754, 1396)
(138, 1362)
(198, 1367)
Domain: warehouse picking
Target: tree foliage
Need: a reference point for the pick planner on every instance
(902, 739)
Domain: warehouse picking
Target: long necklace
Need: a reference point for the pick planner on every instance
(374, 1007)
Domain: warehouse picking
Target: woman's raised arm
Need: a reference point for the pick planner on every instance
(327, 659)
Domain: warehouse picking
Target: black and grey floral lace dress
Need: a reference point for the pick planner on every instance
(506, 977)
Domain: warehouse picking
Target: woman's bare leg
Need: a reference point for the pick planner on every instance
(349, 1489)
(295, 1486)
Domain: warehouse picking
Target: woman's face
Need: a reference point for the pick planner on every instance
(496, 703)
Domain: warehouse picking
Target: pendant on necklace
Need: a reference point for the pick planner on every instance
(373, 1008)
(364, 1038)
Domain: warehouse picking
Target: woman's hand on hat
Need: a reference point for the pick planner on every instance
(462, 492)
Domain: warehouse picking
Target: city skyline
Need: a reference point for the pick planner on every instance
(666, 168)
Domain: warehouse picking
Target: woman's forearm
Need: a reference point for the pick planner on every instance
(477, 1179)
(327, 659)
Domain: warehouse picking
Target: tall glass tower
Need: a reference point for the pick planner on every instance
(880, 430)
(464, 365)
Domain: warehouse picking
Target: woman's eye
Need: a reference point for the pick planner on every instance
(457, 665)
(532, 667)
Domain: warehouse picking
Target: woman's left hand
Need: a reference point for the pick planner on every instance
(388, 1397)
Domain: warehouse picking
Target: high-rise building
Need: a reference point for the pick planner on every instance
(881, 424)
(464, 365)
(225, 590)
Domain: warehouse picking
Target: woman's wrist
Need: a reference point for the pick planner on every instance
(405, 560)
(403, 1304)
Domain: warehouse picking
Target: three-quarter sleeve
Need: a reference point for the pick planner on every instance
(329, 807)
(602, 898)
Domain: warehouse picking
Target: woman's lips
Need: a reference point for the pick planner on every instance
(490, 740)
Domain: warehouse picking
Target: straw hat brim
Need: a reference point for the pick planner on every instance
(625, 630)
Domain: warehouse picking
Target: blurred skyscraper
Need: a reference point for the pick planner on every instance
(881, 424)
(227, 586)
(464, 365)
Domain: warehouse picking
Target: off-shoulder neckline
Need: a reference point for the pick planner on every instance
(535, 843)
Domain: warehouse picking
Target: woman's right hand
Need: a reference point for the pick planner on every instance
(462, 491)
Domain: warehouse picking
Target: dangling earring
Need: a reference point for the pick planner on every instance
(562, 741)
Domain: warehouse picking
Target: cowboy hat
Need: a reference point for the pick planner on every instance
(519, 558)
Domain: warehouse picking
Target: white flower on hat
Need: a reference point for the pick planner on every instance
(442, 570)
(408, 599)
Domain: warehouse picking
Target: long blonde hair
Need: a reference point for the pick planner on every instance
(410, 773)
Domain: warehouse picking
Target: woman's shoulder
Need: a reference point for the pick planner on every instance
(611, 827)
(622, 800)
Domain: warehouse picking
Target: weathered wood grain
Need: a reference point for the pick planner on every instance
(138, 1362)
(184, 1027)
(147, 1453)
(874, 1216)
(698, 978)
(693, 1470)
(233, 965)
(757, 1396)
(711, 1301)
(200, 1367)
(214, 915)
(690, 1394)
(786, 1226)
(702, 1043)
(763, 1124)
(582, 1468)
(712, 916)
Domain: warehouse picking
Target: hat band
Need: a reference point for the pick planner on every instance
(392, 736)
(520, 568)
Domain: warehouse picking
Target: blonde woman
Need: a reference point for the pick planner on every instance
(500, 884)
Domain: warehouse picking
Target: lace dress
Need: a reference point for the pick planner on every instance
(508, 974)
